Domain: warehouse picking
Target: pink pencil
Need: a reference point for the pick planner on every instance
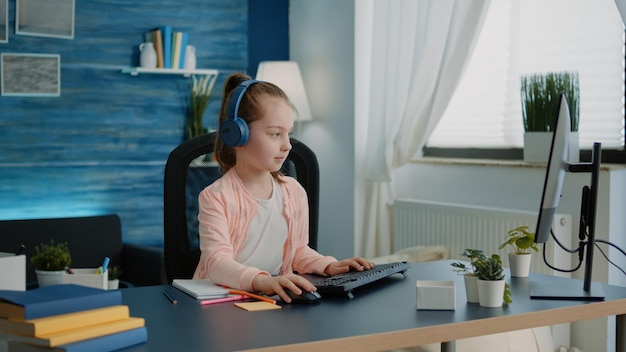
(220, 300)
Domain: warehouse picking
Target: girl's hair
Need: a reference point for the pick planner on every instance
(251, 108)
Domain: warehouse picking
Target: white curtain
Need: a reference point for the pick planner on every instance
(419, 52)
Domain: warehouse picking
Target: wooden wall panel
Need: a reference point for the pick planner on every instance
(102, 145)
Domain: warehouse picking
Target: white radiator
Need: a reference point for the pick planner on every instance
(457, 227)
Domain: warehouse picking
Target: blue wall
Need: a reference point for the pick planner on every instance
(102, 145)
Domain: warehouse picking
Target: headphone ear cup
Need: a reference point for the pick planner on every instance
(235, 132)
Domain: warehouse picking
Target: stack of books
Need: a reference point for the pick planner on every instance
(170, 46)
(67, 318)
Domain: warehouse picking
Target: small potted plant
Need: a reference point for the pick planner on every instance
(114, 277)
(522, 241)
(540, 94)
(492, 289)
(50, 262)
(469, 272)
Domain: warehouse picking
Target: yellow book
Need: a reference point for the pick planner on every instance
(79, 334)
(57, 323)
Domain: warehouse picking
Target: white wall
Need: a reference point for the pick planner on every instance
(322, 42)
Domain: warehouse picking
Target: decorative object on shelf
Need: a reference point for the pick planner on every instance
(521, 240)
(50, 262)
(540, 95)
(190, 58)
(286, 75)
(147, 56)
(200, 92)
(492, 289)
(469, 273)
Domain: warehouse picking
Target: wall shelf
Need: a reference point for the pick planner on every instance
(135, 71)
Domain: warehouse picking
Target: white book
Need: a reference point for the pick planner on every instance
(200, 289)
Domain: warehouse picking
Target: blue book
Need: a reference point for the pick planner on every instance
(183, 47)
(53, 300)
(166, 33)
(112, 342)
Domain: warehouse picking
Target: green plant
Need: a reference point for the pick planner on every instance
(540, 99)
(114, 272)
(51, 257)
(200, 92)
(521, 240)
(490, 269)
(474, 255)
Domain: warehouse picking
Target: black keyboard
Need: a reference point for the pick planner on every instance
(345, 283)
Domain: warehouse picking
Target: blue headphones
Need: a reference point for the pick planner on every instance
(234, 130)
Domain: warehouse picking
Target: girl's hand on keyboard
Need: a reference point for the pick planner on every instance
(343, 266)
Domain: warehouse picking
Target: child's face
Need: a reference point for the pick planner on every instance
(269, 144)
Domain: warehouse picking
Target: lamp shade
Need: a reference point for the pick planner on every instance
(286, 75)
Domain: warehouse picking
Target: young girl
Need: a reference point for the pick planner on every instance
(254, 221)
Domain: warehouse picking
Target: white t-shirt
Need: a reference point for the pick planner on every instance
(265, 240)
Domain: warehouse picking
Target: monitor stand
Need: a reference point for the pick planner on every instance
(566, 291)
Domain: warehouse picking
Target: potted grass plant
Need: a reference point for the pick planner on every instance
(522, 241)
(50, 262)
(540, 94)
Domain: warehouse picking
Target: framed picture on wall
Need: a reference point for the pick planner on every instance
(35, 75)
(4, 21)
(45, 18)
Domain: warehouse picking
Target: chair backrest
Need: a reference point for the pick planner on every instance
(184, 179)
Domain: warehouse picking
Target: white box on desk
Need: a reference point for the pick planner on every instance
(435, 295)
(87, 277)
(12, 271)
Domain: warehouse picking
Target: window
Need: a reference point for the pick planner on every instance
(533, 36)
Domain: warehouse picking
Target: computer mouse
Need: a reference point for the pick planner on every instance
(305, 297)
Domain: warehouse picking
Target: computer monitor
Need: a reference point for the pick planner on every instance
(558, 166)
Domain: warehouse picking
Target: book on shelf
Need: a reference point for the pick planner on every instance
(183, 47)
(54, 300)
(79, 334)
(157, 41)
(166, 33)
(177, 38)
(111, 342)
(200, 289)
(62, 322)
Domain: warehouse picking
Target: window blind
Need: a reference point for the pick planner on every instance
(534, 36)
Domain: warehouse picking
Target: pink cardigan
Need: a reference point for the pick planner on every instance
(225, 212)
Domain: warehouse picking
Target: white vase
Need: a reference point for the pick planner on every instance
(147, 56)
(537, 147)
(519, 264)
(190, 58)
(113, 284)
(491, 293)
(471, 288)
(49, 278)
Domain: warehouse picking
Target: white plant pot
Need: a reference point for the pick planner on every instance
(519, 264)
(491, 293)
(471, 288)
(113, 284)
(49, 278)
(537, 146)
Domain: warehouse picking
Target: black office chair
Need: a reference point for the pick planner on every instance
(183, 182)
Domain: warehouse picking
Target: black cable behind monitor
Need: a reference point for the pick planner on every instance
(590, 291)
